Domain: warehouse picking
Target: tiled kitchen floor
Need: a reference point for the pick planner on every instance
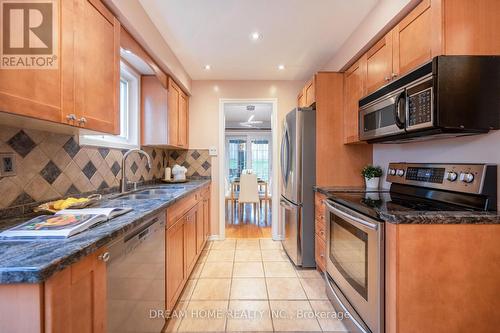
(250, 285)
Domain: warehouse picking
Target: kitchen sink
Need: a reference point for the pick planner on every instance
(156, 191)
(142, 196)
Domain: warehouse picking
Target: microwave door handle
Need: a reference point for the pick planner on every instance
(397, 111)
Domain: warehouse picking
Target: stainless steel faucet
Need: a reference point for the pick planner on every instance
(123, 183)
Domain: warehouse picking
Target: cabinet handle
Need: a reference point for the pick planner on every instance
(387, 79)
(322, 255)
(71, 117)
(104, 257)
(82, 121)
(394, 75)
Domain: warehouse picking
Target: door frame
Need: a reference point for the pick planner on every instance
(275, 227)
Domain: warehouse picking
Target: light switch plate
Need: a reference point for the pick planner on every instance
(7, 165)
(212, 151)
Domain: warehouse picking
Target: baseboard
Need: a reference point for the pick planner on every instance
(213, 237)
(278, 238)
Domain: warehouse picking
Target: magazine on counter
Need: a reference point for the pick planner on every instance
(65, 223)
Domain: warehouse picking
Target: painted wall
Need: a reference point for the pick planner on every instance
(474, 149)
(204, 116)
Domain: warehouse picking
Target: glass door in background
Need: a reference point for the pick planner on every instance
(248, 152)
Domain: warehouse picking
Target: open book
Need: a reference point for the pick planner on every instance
(63, 224)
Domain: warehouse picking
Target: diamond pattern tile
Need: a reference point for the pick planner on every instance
(174, 154)
(134, 167)
(71, 147)
(50, 172)
(115, 168)
(103, 186)
(103, 151)
(153, 153)
(21, 143)
(206, 165)
(195, 155)
(72, 190)
(89, 169)
(22, 199)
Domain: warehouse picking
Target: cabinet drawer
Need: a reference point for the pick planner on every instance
(321, 229)
(320, 252)
(176, 211)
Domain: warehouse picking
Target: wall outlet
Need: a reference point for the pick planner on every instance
(7, 165)
(212, 151)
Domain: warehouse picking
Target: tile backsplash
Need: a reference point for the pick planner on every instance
(196, 161)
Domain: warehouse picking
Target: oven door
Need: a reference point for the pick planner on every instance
(355, 263)
(383, 117)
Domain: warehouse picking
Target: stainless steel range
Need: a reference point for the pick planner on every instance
(355, 228)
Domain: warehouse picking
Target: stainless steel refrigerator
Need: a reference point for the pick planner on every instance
(298, 176)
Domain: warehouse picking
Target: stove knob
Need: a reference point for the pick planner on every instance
(400, 172)
(392, 172)
(451, 176)
(466, 177)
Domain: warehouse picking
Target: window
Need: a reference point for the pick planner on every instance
(248, 152)
(129, 115)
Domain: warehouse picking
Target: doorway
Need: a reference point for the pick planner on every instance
(247, 169)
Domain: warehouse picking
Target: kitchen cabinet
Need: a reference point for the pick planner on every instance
(430, 266)
(178, 109)
(320, 227)
(184, 242)
(379, 63)
(307, 96)
(154, 112)
(206, 213)
(301, 100)
(72, 300)
(83, 90)
(175, 262)
(354, 89)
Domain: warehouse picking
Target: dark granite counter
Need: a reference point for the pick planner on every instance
(33, 261)
(381, 205)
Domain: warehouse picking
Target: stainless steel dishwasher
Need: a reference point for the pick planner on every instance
(136, 278)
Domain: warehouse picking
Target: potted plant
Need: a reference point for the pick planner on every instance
(372, 176)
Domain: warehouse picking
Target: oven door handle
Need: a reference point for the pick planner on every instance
(369, 225)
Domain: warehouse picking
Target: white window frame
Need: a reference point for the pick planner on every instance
(129, 122)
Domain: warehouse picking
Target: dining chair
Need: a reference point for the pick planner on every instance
(249, 193)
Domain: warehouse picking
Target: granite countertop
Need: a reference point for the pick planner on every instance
(33, 261)
(391, 212)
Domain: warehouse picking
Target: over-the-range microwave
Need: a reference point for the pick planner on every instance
(446, 97)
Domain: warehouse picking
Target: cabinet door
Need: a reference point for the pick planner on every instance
(310, 93)
(40, 93)
(76, 298)
(412, 42)
(206, 218)
(173, 113)
(174, 262)
(200, 232)
(300, 100)
(183, 120)
(379, 63)
(354, 89)
(190, 241)
(97, 67)
(154, 111)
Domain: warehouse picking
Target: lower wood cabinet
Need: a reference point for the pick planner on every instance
(320, 237)
(71, 301)
(186, 235)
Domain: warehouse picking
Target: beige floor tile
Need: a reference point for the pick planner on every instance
(285, 288)
(249, 316)
(295, 316)
(328, 317)
(188, 290)
(269, 244)
(247, 255)
(217, 270)
(274, 255)
(309, 274)
(211, 289)
(279, 269)
(204, 316)
(248, 269)
(220, 255)
(248, 244)
(141, 319)
(176, 317)
(315, 288)
(227, 244)
(249, 288)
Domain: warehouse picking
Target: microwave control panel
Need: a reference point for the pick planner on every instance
(420, 107)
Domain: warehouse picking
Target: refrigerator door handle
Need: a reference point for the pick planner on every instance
(285, 203)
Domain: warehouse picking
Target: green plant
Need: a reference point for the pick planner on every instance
(371, 171)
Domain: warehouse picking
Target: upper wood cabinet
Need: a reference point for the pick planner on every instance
(154, 111)
(307, 96)
(301, 100)
(379, 63)
(354, 89)
(178, 106)
(83, 90)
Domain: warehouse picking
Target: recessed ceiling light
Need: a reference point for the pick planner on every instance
(255, 36)
(281, 67)
(208, 67)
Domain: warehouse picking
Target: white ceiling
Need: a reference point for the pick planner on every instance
(301, 34)
(238, 111)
